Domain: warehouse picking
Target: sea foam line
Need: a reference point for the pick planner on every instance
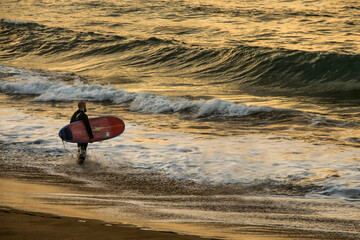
(16, 22)
(140, 102)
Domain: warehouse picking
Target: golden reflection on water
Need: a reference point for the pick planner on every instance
(310, 26)
(209, 128)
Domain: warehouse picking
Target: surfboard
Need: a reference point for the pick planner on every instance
(103, 128)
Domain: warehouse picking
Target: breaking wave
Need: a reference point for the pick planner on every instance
(141, 102)
(240, 67)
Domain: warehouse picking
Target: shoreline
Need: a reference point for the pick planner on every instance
(27, 190)
(26, 211)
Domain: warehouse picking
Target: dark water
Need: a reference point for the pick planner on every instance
(234, 47)
(173, 63)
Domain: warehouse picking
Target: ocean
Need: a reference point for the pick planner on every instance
(224, 100)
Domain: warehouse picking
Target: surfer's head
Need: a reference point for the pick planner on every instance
(82, 106)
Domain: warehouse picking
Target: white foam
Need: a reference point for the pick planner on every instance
(232, 159)
(31, 82)
(31, 132)
(16, 22)
(25, 88)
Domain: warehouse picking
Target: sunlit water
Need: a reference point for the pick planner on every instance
(257, 95)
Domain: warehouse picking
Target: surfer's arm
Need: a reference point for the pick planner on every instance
(87, 126)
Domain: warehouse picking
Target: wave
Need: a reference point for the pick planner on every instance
(140, 102)
(36, 39)
(241, 67)
(49, 87)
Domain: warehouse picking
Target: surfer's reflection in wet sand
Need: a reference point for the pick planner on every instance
(77, 116)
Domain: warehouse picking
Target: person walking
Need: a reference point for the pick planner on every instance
(80, 115)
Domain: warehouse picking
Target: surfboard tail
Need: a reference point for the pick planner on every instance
(65, 134)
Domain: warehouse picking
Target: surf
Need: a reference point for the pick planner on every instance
(241, 68)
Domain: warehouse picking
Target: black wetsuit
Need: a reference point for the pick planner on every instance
(77, 116)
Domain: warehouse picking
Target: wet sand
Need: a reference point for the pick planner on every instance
(38, 204)
(18, 224)
(26, 214)
(63, 221)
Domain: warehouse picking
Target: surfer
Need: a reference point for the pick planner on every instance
(77, 116)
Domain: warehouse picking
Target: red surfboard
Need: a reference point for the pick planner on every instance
(103, 128)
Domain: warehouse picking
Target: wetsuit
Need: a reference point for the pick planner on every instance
(77, 116)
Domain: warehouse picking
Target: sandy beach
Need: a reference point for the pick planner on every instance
(25, 216)
(31, 225)
(36, 204)
(27, 212)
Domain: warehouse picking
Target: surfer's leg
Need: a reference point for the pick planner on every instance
(82, 152)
